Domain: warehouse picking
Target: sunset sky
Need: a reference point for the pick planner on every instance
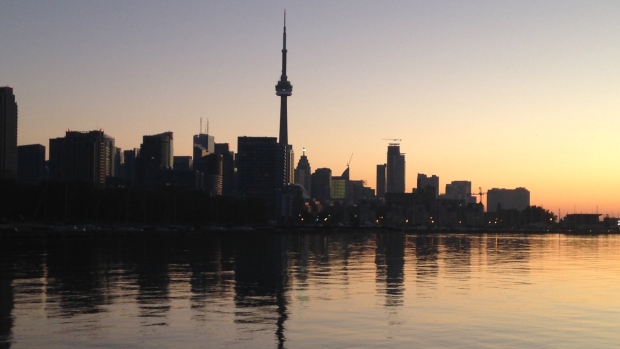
(504, 94)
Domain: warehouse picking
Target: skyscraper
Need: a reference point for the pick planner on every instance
(381, 180)
(285, 89)
(156, 156)
(395, 169)
(322, 184)
(82, 156)
(31, 163)
(8, 133)
(303, 173)
(261, 168)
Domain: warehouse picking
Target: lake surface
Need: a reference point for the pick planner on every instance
(363, 289)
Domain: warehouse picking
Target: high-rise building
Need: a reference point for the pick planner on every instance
(31, 163)
(303, 172)
(128, 172)
(321, 184)
(156, 155)
(395, 169)
(340, 186)
(458, 190)
(8, 133)
(261, 169)
(228, 167)
(381, 180)
(428, 184)
(157, 151)
(283, 90)
(82, 156)
(203, 145)
(507, 199)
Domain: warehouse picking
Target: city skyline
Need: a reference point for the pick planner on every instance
(502, 95)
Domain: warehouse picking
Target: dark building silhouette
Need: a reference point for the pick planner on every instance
(261, 169)
(507, 199)
(428, 185)
(119, 159)
(203, 145)
(395, 169)
(8, 133)
(31, 163)
(321, 184)
(156, 156)
(458, 190)
(303, 172)
(82, 156)
(128, 172)
(228, 168)
(381, 183)
(285, 89)
(182, 163)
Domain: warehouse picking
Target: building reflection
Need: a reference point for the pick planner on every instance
(261, 275)
(75, 278)
(151, 259)
(427, 269)
(390, 263)
(7, 299)
(457, 258)
(211, 265)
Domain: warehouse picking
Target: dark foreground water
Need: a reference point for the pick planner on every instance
(310, 290)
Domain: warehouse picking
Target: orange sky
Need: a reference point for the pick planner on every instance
(503, 95)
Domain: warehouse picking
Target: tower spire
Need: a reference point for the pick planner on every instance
(283, 89)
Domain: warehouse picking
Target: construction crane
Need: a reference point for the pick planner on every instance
(394, 140)
(480, 193)
(349, 160)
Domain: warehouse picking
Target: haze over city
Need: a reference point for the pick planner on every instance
(500, 94)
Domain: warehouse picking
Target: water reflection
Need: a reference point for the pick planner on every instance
(287, 289)
(261, 278)
(390, 262)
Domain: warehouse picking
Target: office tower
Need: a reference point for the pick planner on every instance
(395, 169)
(507, 199)
(203, 145)
(31, 163)
(321, 184)
(157, 151)
(428, 185)
(119, 160)
(128, 172)
(8, 133)
(155, 157)
(228, 168)
(285, 89)
(82, 156)
(381, 183)
(303, 173)
(340, 186)
(261, 169)
(458, 190)
(182, 163)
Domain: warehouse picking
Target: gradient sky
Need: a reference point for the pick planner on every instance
(504, 94)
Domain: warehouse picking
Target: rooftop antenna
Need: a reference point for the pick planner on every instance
(207, 125)
(200, 131)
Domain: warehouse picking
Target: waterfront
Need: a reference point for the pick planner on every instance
(307, 290)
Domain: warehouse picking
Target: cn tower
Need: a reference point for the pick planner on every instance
(283, 89)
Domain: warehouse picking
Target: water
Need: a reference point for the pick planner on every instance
(310, 290)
